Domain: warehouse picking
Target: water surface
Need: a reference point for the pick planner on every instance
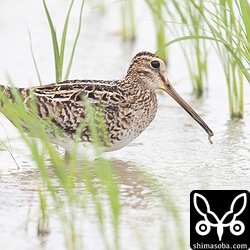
(174, 150)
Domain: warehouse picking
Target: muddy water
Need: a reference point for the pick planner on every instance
(174, 149)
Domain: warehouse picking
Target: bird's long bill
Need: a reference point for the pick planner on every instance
(171, 91)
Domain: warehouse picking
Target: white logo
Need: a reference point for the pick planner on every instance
(203, 227)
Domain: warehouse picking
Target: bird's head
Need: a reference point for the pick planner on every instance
(151, 70)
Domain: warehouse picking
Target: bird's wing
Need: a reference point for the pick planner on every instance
(65, 102)
(93, 90)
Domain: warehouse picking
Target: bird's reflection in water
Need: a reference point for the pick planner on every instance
(134, 186)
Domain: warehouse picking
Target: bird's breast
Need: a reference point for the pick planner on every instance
(131, 119)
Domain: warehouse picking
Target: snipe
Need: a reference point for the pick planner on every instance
(128, 105)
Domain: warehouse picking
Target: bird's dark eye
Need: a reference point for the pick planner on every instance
(155, 64)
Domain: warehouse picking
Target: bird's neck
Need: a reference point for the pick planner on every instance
(136, 85)
(140, 93)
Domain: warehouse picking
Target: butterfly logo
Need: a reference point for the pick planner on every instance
(229, 219)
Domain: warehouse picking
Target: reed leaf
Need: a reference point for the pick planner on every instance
(34, 60)
(244, 9)
(58, 69)
(75, 42)
(64, 35)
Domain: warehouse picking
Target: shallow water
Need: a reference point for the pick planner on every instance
(174, 149)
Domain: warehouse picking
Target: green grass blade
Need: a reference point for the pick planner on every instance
(34, 60)
(75, 42)
(58, 68)
(245, 12)
(10, 152)
(218, 40)
(183, 38)
(64, 35)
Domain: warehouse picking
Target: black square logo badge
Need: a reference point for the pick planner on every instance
(219, 219)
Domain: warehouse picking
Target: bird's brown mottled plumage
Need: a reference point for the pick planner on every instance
(127, 106)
